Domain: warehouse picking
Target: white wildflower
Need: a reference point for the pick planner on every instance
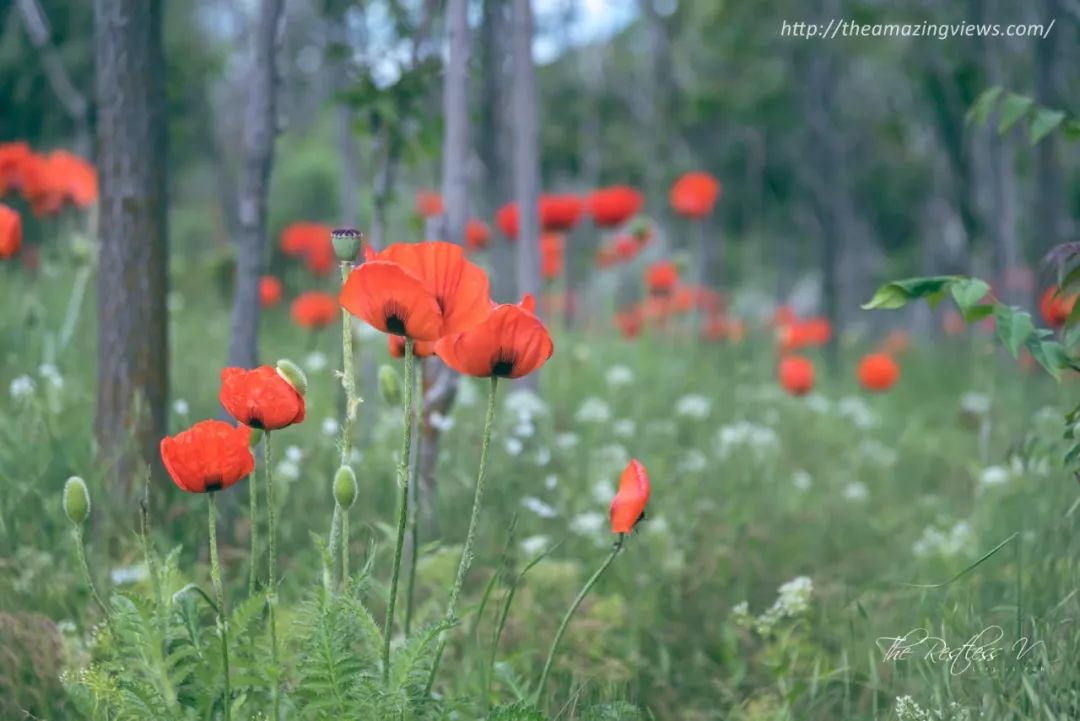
(857, 411)
(51, 373)
(551, 482)
(513, 446)
(467, 395)
(524, 404)
(603, 491)
(440, 422)
(534, 545)
(618, 376)
(539, 507)
(588, 523)
(975, 404)
(755, 437)
(802, 479)
(524, 429)
(181, 407)
(951, 542)
(566, 441)
(817, 403)
(877, 452)
(315, 361)
(288, 470)
(294, 454)
(693, 406)
(330, 426)
(856, 491)
(21, 387)
(612, 455)
(593, 410)
(543, 456)
(693, 461)
(993, 476)
(127, 575)
(624, 427)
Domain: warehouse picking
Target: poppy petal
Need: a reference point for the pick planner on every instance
(392, 300)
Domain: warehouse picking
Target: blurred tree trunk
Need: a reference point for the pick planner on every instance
(260, 130)
(526, 143)
(133, 356)
(658, 83)
(492, 145)
(1051, 221)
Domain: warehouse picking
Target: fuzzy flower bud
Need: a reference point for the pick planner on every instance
(346, 242)
(76, 500)
(390, 384)
(345, 488)
(292, 375)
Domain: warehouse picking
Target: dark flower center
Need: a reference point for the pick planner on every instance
(503, 365)
(395, 318)
(214, 484)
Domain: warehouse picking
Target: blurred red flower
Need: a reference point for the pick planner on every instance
(477, 234)
(312, 242)
(210, 456)
(421, 348)
(13, 157)
(626, 248)
(1056, 307)
(260, 398)
(510, 343)
(506, 218)
(694, 194)
(796, 375)
(629, 322)
(661, 277)
(270, 291)
(614, 206)
(429, 204)
(628, 506)
(559, 212)
(50, 181)
(804, 333)
(878, 372)
(552, 255)
(314, 310)
(10, 232)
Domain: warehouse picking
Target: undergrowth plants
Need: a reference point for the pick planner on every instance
(180, 652)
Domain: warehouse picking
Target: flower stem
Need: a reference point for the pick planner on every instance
(470, 535)
(271, 591)
(219, 592)
(348, 382)
(332, 549)
(80, 551)
(403, 503)
(570, 612)
(344, 550)
(253, 517)
(414, 524)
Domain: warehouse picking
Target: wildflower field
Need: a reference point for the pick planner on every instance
(404, 361)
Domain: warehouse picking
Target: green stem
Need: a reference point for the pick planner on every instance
(271, 591)
(80, 551)
(332, 549)
(414, 529)
(344, 550)
(348, 376)
(470, 535)
(573, 607)
(219, 592)
(253, 515)
(403, 503)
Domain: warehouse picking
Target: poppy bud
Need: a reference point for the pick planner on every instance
(76, 500)
(346, 243)
(292, 375)
(345, 489)
(390, 384)
(256, 436)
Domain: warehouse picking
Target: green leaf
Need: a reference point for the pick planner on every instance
(1071, 129)
(1049, 354)
(1044, 122)
(967, 292)
(1014, 327)
(984, 105)
(898, 293)
(1013, 107)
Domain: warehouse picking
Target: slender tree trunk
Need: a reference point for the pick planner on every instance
(260, 130)
(1050, 217)
(526, 142)
(133, 357)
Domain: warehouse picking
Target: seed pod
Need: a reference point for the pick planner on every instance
(390, 384)
(76, 500)
(346, 242)
(292, 375)
(345, 488)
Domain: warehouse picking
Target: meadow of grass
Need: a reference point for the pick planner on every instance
(942, 504)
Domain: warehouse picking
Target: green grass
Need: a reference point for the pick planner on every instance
(731, 519)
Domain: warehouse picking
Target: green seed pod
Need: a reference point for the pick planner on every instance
(345, 488)
(256, 436)
(390, 384)
(292, 375)
(347, 243)
(76, 500)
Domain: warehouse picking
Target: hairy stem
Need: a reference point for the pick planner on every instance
(470, 536)
(80, 551)
(332, 549)
(403, 503)
(414, 529)
(271, 591)
(348, 382)
(253, 519)
(219, 592)
(570, 612)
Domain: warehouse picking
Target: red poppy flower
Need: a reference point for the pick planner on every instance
(50, 181)
(421, 348)
(628, 506)
(661, 277)
(10, 232)
(695, 194)
(506, 218)
(626, 248)
(270, 291)
(559, 212)
(429, 204)
(13, 157)
(629, 322)
(420, 290)
(312, 242)
(1056, 307)
(511, 343)
(614, 206)
(260, 398)
(477, 234)
(315, 310)
(209, 456)
(878, 372)
(552, 255)
(802, 334)
(796, 375)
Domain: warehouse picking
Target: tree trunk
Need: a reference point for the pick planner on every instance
(1050, 219)
(526, 142)
(133, 357)
(260, 129)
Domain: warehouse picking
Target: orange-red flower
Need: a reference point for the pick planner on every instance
(559, 212)
(630, 322)
(260, 398)
(421, 348)
(49, 181)
(420, 290)
(661, 277)
(312, 242)
(796, 375)
(510, 343)
(315, 310)
(1056, 307)
(429, 204)
(209, 456)
(804, 333)
(13, 157)
(614, 206)
(878, 372)
(626, 248)
(506, 218)
(628, 506)
(10, 232)
(477, 234)
(270, 291)
(694, 194)
(552, 255)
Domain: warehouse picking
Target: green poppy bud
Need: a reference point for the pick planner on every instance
(345, 488)
(292, 375)
(347, 243)
(76, 500)
(390, 384)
